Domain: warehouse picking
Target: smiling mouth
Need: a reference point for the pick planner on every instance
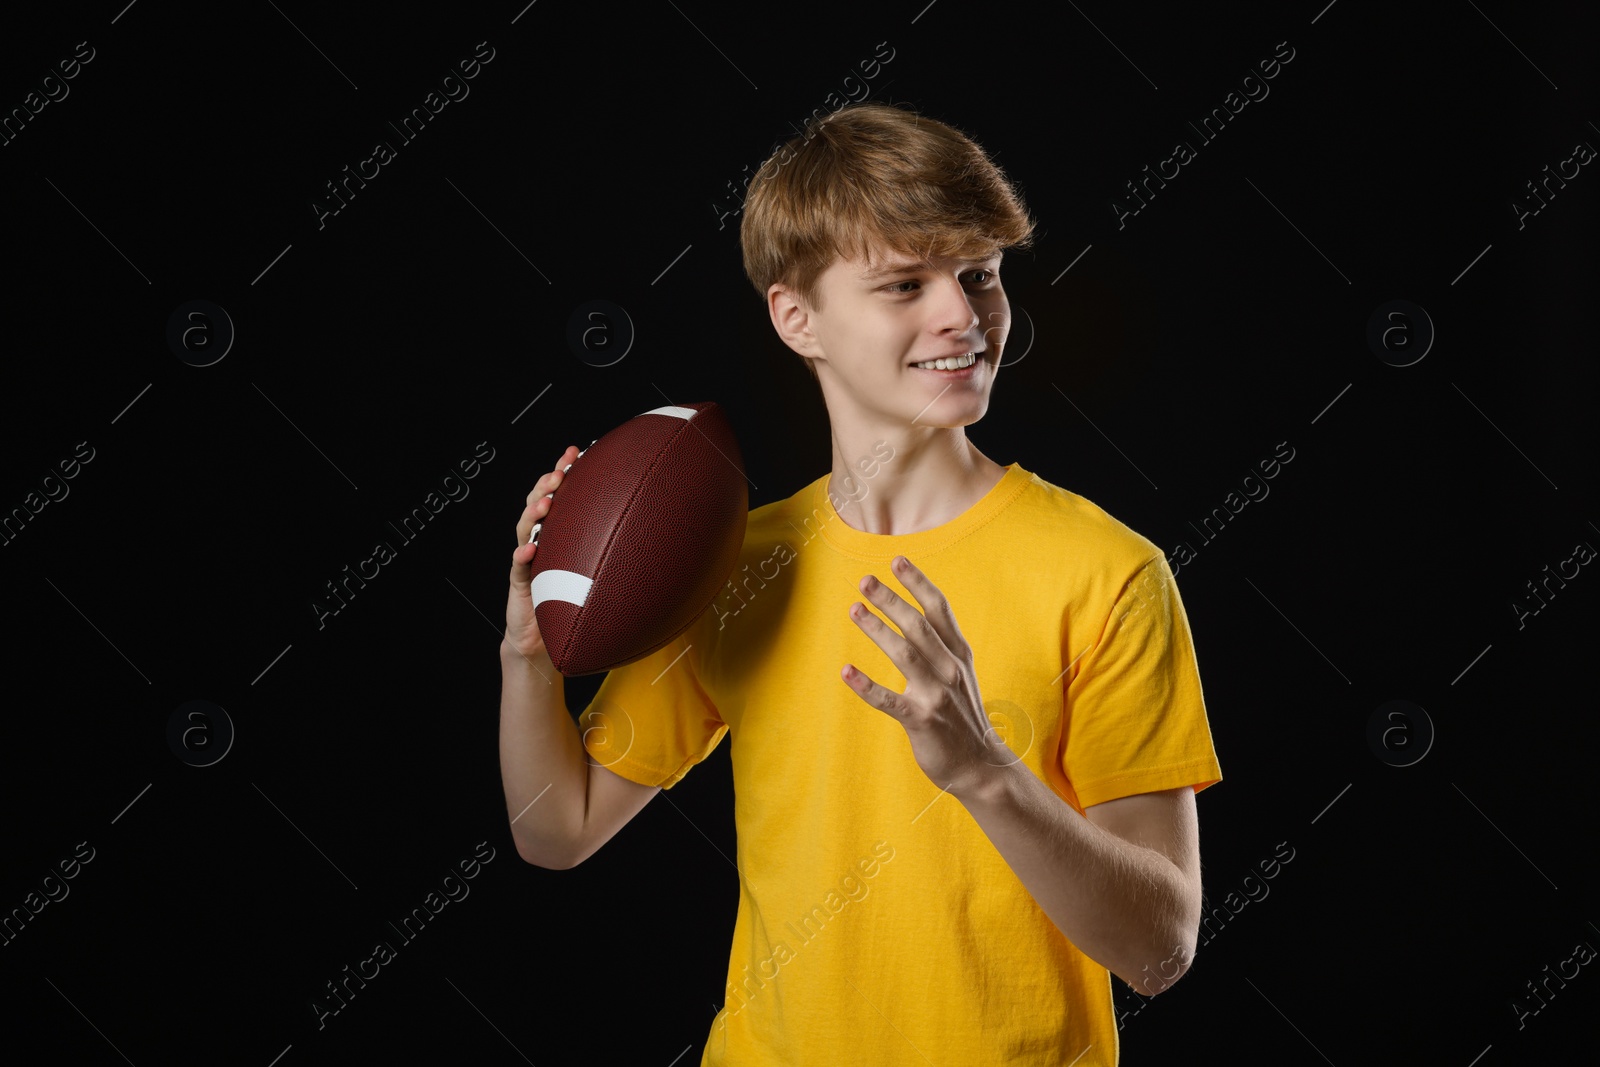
(957, 363)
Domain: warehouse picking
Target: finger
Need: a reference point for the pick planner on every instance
(893, 605)
(935, 605)
(917, 647)
(551, 479)
(900, 651)
(522, 555)
(533, 513)
(885, 700)
(522, 567)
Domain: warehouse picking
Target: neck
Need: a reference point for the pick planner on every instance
(914, 482)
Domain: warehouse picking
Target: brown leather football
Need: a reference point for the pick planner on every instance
(640, 537)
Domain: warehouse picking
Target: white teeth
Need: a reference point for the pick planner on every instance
(948, 364)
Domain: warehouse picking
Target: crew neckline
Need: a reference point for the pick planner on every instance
(848, 539)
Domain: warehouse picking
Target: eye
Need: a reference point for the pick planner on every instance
(989, 277)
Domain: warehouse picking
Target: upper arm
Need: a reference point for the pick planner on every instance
(612, 801)
(1165, 821)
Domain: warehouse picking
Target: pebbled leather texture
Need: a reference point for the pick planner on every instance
(649, 521)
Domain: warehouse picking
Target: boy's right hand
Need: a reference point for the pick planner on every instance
(522, 628)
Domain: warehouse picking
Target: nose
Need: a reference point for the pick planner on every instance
(953, 309)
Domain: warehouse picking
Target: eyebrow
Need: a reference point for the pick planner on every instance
(912, 268)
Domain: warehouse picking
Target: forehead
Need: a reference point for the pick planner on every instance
(884, 261)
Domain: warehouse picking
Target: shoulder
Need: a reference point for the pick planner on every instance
(788, 520)
(1082, 528)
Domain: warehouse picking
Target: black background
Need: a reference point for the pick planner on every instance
(592, 160)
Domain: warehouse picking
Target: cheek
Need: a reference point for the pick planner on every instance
(1010, 335)
(997, 316)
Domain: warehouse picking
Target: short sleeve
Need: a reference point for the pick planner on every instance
(651, 721)
(1135, 713)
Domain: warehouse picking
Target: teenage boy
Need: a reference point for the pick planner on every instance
(965, 712)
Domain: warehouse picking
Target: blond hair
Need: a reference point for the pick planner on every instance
(874, 173)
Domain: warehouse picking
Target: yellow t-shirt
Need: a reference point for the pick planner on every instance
(877, 923)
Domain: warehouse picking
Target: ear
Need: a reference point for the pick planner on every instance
(791, 319)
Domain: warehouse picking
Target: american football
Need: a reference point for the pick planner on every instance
(643, 533)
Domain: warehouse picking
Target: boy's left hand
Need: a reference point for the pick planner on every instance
(951, 736)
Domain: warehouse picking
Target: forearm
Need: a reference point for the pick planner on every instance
(543, 766)
(1125, 906)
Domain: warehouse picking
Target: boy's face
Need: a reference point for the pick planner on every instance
(880, 319)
